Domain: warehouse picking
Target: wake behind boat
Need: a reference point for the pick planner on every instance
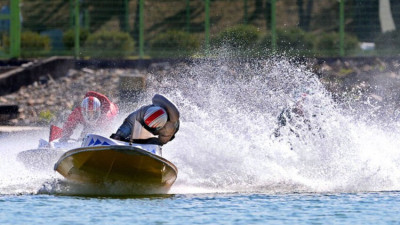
(104, 160)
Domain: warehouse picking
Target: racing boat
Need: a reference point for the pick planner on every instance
(48, 152)
(104, 160)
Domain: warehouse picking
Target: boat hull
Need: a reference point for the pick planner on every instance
(109, 164)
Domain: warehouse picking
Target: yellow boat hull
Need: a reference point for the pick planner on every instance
(109, 164)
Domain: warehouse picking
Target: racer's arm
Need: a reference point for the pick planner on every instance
(282, 121)
(167, 133)
(125, 130)
(113, 112)
(69, 126)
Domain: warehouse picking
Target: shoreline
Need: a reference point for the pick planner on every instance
(13, 129)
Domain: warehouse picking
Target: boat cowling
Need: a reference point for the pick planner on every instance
(92, 140)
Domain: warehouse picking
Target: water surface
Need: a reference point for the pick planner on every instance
(234, 208)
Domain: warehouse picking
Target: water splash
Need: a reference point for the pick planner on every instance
(15, 177)
(230, 110)
(226, 141)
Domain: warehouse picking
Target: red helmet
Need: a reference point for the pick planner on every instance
(155, 117)
(91, 109)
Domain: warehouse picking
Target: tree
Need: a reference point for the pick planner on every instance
(268, 14)
(305, 15)
(366, 24)
(259, 8)
(103, 10)
(136, 20)
(395, 8)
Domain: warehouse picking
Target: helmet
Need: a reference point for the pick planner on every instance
(91, 109)
(302, 97)
(155, 117)
(301, 102)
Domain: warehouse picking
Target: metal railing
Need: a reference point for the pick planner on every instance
(144, 20)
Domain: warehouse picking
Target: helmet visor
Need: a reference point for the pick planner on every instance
(91, 115)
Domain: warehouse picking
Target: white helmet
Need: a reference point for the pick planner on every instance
(155, 117)
(91, 109)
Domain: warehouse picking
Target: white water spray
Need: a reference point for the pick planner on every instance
(229, 112)
(15, 177)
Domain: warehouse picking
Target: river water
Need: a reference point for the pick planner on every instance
(235, 208)
(341, 166)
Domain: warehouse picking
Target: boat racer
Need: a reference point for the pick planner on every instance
(299, 119)
(95, 113)
(289, 116)
(156, 123)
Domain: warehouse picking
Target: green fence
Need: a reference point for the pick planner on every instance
(179, 28)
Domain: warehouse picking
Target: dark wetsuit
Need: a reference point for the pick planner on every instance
(132, 127)
(286, 116)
